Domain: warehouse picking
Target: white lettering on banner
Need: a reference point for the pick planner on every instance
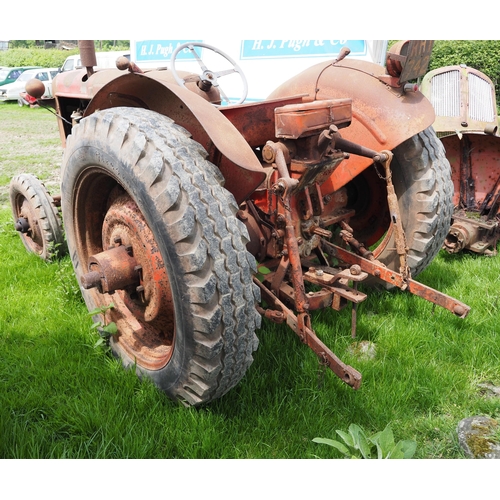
(295, 45)
(164, 50)
(262, 49)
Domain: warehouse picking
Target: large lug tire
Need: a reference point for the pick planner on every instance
(133, 178)
(422, 180)
(36, 217)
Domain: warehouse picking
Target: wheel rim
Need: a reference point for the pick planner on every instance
(32, 235)
(371, 224)
(121, 248)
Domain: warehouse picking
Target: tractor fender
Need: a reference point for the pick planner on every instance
(383, 116)
(158, 91)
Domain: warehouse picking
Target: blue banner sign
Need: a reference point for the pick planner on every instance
(162, 50)
(271, 49)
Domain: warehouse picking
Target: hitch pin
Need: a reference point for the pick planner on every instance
(381, 157)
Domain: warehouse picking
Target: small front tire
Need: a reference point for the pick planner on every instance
(36, 217)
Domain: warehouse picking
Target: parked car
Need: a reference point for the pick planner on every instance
(103, 59)
(11, 91)
(9, 75)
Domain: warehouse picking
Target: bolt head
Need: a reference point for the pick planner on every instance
(355, 270)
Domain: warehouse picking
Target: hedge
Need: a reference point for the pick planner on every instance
(47, 58)
(483, 55)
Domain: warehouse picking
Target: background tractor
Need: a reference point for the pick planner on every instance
(188, 217)
(467, 124)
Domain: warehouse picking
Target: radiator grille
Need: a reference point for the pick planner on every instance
(446, 93)
(480, 99)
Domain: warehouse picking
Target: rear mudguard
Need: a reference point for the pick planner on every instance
(157, 91)
(382, 116)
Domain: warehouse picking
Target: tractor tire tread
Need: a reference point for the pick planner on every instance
(432, 206)
(210, 242)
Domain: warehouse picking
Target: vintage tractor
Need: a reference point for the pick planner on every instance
(467, 124)
(187, 220)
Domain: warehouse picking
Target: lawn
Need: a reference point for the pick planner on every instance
(62, 397)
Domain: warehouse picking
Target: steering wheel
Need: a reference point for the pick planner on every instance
(208, 77)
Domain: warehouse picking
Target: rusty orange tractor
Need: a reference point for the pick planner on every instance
(172, 202)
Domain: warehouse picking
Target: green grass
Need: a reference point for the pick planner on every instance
(61, 397)
(29, 142)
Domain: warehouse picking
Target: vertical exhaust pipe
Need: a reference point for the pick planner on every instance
(87, 55)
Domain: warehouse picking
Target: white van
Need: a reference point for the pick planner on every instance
(104, 60)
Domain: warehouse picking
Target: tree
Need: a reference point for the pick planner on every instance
(105, 45)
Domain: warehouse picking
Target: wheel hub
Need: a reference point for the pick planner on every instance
(27, 224)
(131, 269)
(114, 269)
(22, 225)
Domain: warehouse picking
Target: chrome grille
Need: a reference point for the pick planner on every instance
(446, 93)
(480, 99)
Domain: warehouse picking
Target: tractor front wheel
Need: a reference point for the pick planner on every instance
(36, 217)
(157, 247)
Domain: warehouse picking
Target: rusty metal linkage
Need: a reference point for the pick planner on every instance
(399, 234)
(334, 282)
(378, 270)
(301, 326)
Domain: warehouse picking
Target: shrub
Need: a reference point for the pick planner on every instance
(28, 54)
(35, 57)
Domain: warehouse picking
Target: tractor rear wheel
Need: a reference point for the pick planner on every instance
(422, 180)
(156, 244)
(36, 217)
